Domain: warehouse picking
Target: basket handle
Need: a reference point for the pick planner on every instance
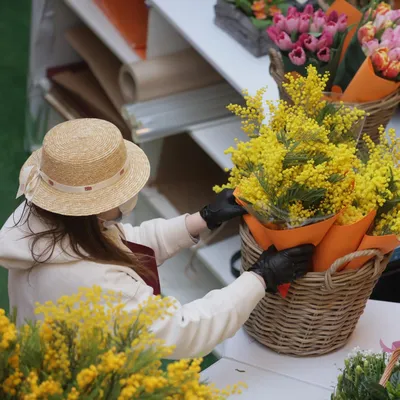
(378, 265)
(389, 368)
(276, 68)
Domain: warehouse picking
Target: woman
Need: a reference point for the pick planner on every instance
(67, 236)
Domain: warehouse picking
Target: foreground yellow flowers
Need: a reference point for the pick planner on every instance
(89, 347)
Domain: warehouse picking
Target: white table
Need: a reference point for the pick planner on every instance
(379, 321)
(262, 384)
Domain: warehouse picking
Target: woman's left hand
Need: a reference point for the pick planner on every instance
(222, 209)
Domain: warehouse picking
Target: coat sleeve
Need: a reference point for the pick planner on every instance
(165, 237)
(197, 327)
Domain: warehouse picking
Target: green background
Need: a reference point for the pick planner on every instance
(14, 50)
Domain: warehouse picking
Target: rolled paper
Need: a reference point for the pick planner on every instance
(166, 75)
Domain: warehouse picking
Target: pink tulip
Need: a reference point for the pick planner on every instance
(304, 23)
(279, 21)
(283, 41)
(298, 56)
(292, 11)
(308, 10)
(300, 41)
(331, 27)
(311, 43)
(342, 22)
(324, 54)
(318, 21)
(394, 15)
(292, 23)
(325, 40)
(333, 16)
(382, 21)
(273, 33)
(394, 54)
(388, 35)
(370, 47)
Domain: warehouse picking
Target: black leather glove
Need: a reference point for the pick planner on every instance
(279, 267)
(222, 209)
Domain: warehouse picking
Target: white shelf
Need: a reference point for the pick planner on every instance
(104, 29)
(216, 136)
(194, 20)
(215, 257)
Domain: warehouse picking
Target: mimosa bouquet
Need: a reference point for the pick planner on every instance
(88, 347)
(301, 176)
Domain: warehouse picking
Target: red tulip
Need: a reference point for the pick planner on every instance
(333, 16)
(300, 41)
(366, 33)
(325, 40)
(298, 56)
(380, 59)
(392, 70)
(324, 54)
(292, 11)
(382, 9)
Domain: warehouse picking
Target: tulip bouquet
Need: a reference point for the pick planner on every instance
(309, 38)
(373, 57)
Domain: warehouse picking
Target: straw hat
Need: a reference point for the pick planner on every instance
(85, 167)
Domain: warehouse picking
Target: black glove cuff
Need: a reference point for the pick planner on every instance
(206, 214)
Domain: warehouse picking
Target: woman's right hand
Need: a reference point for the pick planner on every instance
(279, 267)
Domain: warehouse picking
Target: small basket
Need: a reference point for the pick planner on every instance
(239, 26)
(320, 311)
(379, 111)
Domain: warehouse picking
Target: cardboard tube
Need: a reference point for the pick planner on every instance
(165, 75)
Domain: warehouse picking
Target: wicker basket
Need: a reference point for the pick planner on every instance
(380, 111)
(320, 311)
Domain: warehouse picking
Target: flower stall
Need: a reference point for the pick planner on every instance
(308, 175)
(361, 51)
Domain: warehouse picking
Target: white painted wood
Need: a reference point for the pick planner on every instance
(262, 384)
(162, 38)
(104, 29)
(194, 20)
(379, 321)
(217, 136)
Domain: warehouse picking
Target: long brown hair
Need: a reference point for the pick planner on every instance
(81, 235)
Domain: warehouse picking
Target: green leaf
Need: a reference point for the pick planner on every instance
(395, 378)
(245, 6)
(261, 23)
(315, 34)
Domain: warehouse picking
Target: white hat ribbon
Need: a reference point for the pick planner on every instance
(28, 182)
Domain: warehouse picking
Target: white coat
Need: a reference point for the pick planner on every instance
(194, 328)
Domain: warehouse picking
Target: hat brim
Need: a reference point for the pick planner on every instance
(92, 203)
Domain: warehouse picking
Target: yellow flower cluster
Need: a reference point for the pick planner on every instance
(299, 164)
(89, 346)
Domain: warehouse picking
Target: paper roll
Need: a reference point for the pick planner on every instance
(165, 75)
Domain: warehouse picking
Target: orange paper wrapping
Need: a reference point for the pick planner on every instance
(385, 244)
(287, 238)
(353, 18)
(367, 86)
(340, 241)
(130, 17)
